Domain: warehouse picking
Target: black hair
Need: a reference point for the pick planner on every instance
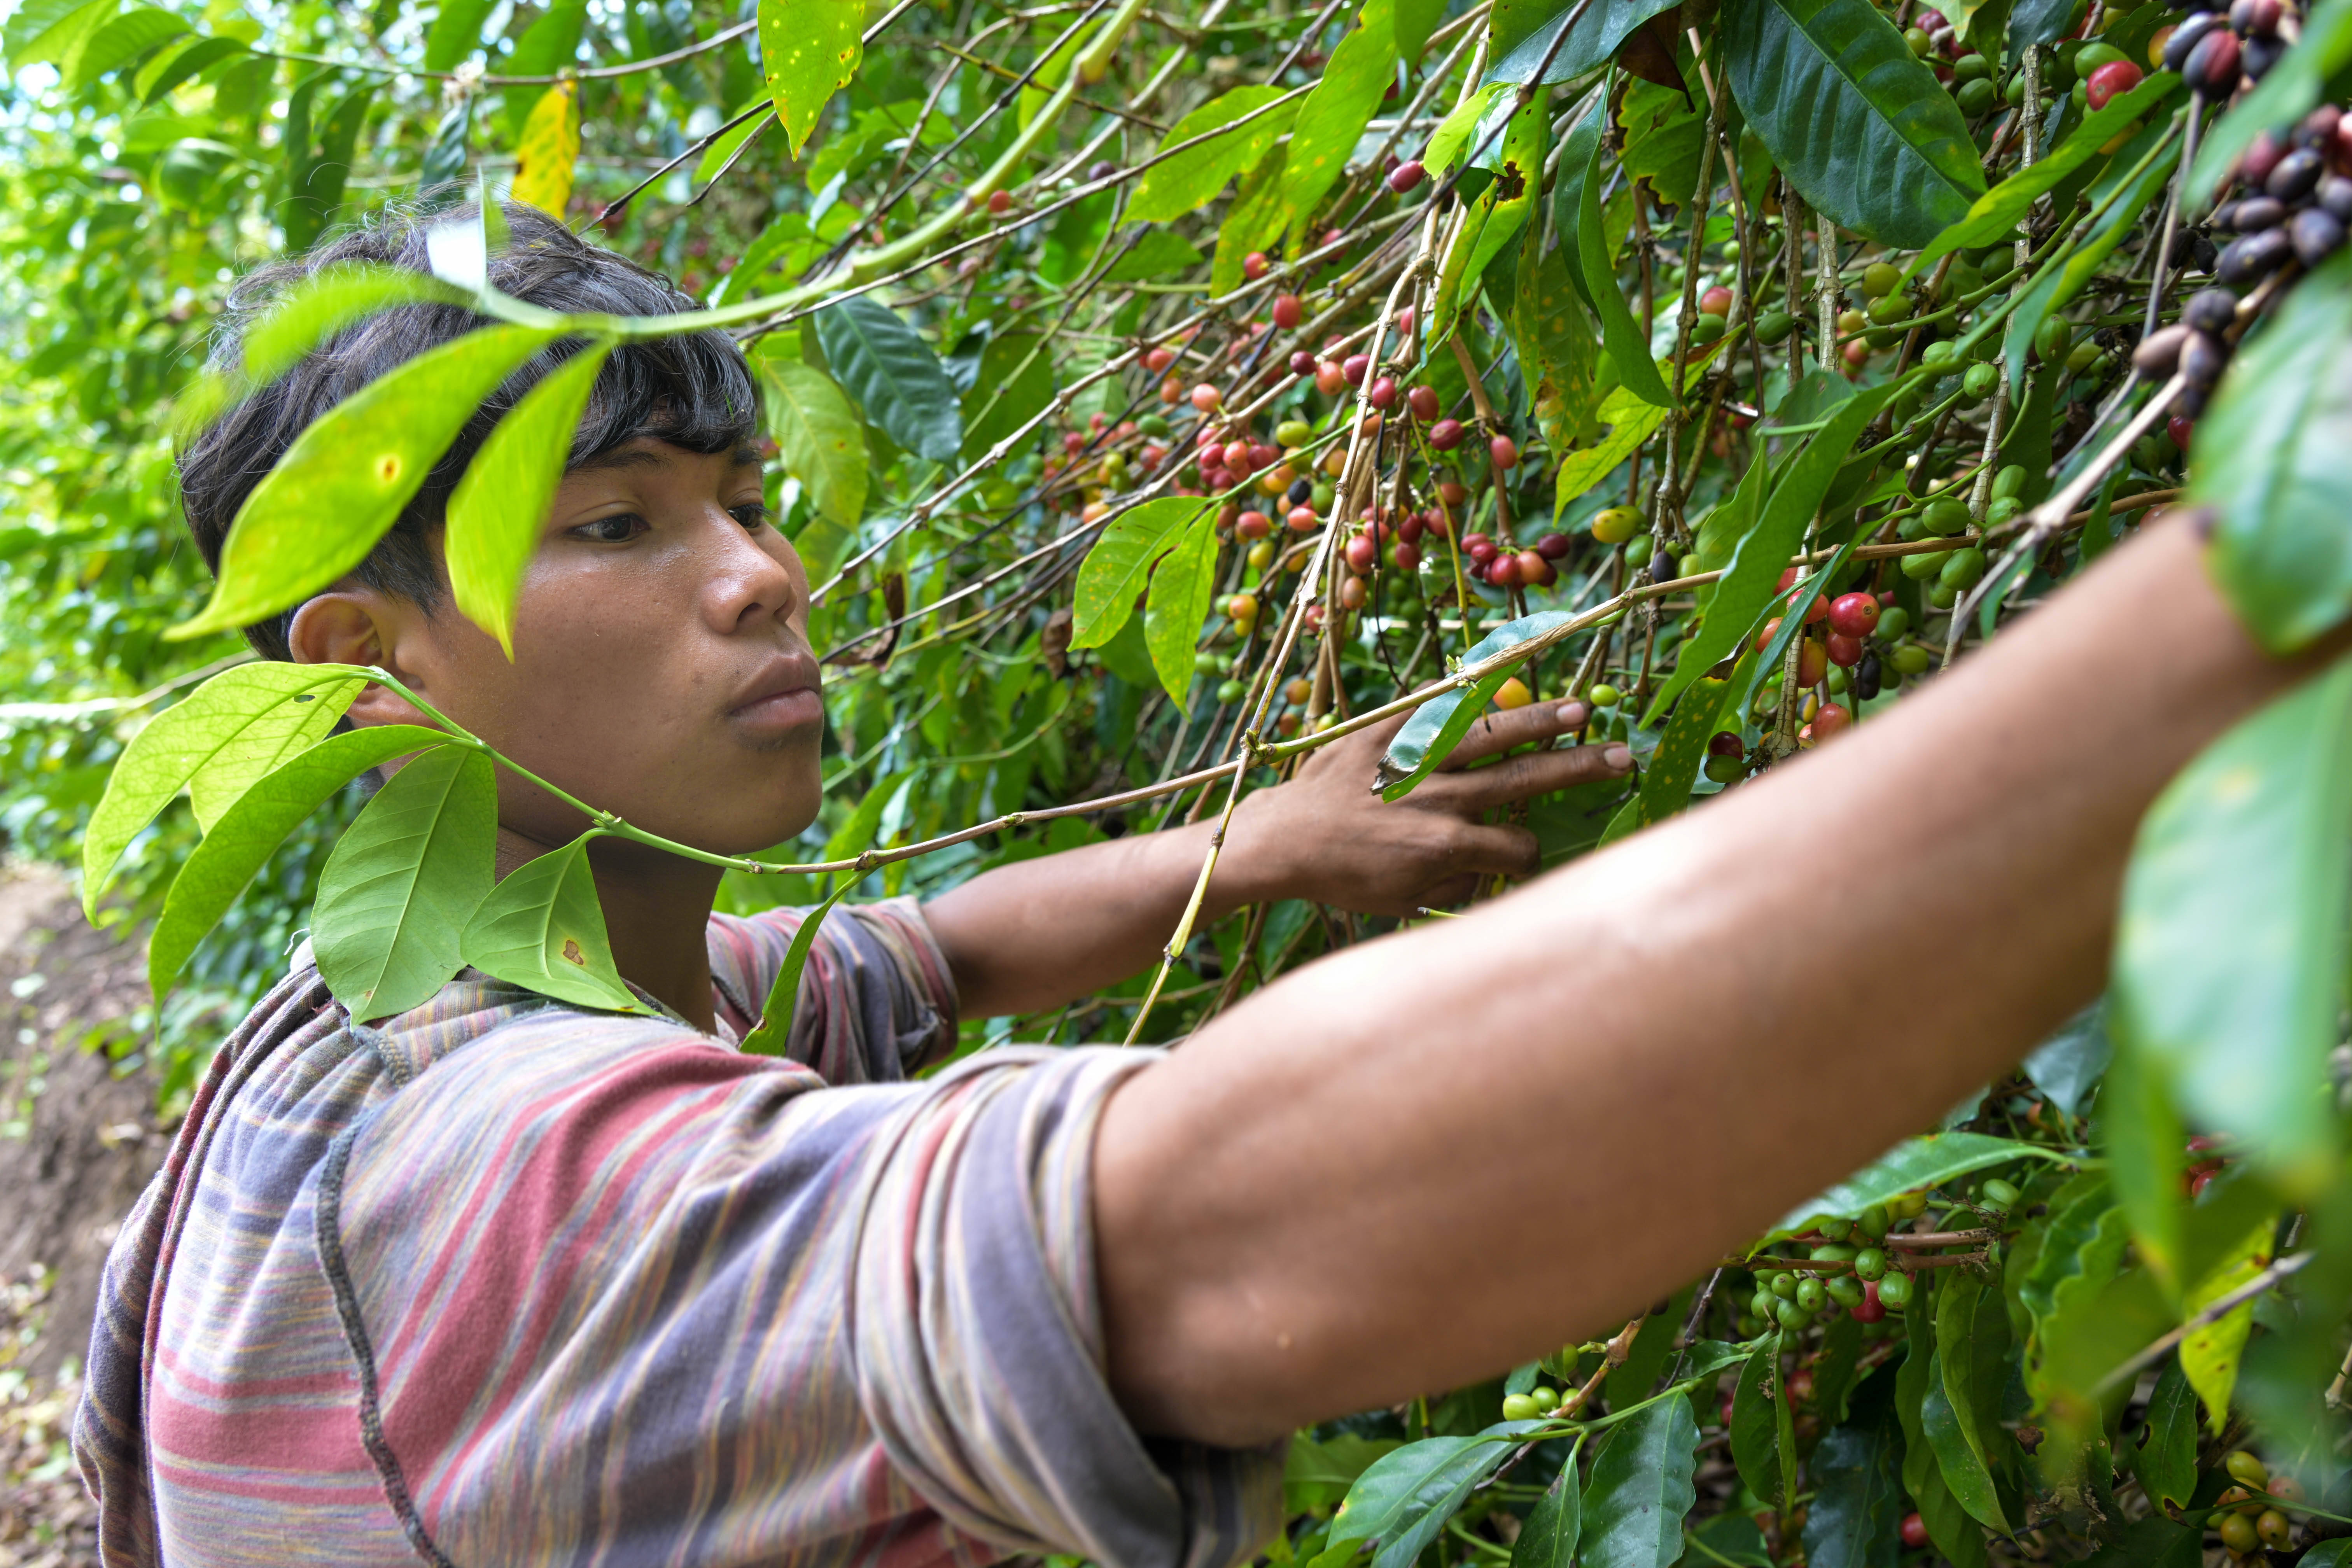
(694, 391)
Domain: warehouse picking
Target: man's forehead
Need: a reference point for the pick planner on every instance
(650, 452)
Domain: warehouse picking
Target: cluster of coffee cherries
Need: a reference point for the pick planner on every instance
(2290, 201)
(1861, 1277)
(2247, 1515)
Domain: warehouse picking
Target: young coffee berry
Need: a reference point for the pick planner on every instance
(2248, 1469)
(1423, 401)
(1514, 694)
(1242, 608)
(1405, 177)
(1519, 1407)
(2238, 1534)
(1302, 363)
(1446, 435)
(1843, 1288)
(1503, 570)
(1895, 1290)
(2270, 1527)
(1361, 552)
(1504, 452)
(1535, 571)
(1301, 520)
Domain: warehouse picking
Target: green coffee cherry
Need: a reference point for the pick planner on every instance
(1774, 326)
(1154, 425)
(1638, 550)
(1943, 351)
(1790, 1316)
(1604, 695)
(1811, 1294)
(2053, 338)
(1946, 515)
(1880, 279)
(1519, 1407)
(1723, 770)
(1870, 1263)
(1872, 1222)
(2001, 510)
(1980, 381)
(2009, 481)
(1844, 1289)
(1547, 1399)
(1888, 309)
(1997, 1195)
(1783, 1285)
(1941, 595)
(2084, 355)
(1833, 1252)
(1962, 572)
(1976, 97)
(1207, 663)
(1761, 1304)
(1971, 68)
(1895, 1291)
(1893, 622)
(1706, 328)
(1919, 568)
(1232, 692)
(1911, 658)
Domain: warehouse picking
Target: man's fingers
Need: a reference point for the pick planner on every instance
(1524, 777)
(1509, 851)
(1499, 731)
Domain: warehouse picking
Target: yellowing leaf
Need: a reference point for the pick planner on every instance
(2210, 1352)
(550, 146)
(808, 49)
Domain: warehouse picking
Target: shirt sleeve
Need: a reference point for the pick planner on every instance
(876, 1001)
(611, 1284)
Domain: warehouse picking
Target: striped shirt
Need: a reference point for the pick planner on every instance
(501, 1281)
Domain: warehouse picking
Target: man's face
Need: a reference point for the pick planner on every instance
(661, 670)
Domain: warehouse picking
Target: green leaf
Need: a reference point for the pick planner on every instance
(502, 501)
(343, 482)
(2142, 1135)
(170, 66)
(1915, 1163)
(1451, 139)
(1437, 726)
(1640, 1489)
(1750, 584)
(1674, 767)
(1627, 345)
(1958, 1465)
(1663, 130)
(1953, 1532)
(1414, 21)
(2270, 464)
(1834, 1365)
(2210, 1352)
(262, 745)
(1014, 379)
(206, 728)
(2166, 1459)
(315, 178)
(1254, 220)
(716, 156)
(250, 831)
(2335, 1554)
(1634, 421)
(1177, 603)
(1333, 117)
(1994, 214)
(1548, 1538)
(323, 304)
(808, 49)
(50, 30)
(2036, 22)
(1159, 253)
(542, 928)
(1855, 1517)
(2070, 1243)
(1317, 1474)
(121, 40)
(2229, 972)
(403, 881)
(1972, 1351)
(774, 1034)
(2068, 1065)
(1404, 1499)
(1755, 1423)
(1190, 180)
(1860, 126)
(818, 436)
(1524, 30)
(456, 31)
(2062, 280)
(546, 47)
(1518, 179)
(885, 365)
(1113, 570)
(2289, 92)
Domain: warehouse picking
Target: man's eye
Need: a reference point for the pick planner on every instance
(618, 529)
(753, 515)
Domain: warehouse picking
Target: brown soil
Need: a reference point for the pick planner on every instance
(78, 1142)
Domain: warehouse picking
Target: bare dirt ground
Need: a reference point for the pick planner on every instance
(76, 1144)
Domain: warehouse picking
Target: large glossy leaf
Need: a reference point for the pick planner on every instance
(2166, 1459)
(1860, 126)
(1971, 1350)
(1178, 602)
(1949, 1526)
(1640, 1489)
(1751, 583)
(1406, 1497)
(169, 68)
(1555, 1525)
(1631, 420)
(808, 49)
(1517, 184)
(818, 436)
(1532, 25)
(2070, 1245)
(1855, 1517)
(1453, 139)
(404, 880)
(502, 501)
(1957, 1464)
(1192, 179)
(1627, 344)
(1332, 118)
(885, 365)
(1317, 1475)
(1013, 379)
(542, 928)
(250, 831)
(1437, 726)
(2269, 462)
(1993, 214)
(1255, 220)
(200, 730)
(2230, 952)
(1754, 1424)
(273, 735)
(344, 480)
(773, 1033)
(1114, 570)
(2068, 1065)
(1577, 163)
(1913, 1163)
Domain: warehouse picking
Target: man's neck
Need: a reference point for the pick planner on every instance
(657, 914)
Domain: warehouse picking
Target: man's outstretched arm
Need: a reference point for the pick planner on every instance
(1323, 1202)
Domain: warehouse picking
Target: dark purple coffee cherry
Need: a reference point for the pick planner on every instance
(2158, 354)
(2212, 66)
(2297, 175)
(2256, 214)
(2187, 37)
(2253, 258)
(2334, 193)
(2203, 358)
(2190, 403)
(2254, 19)
(2210, 310)
(2202, 253)
(2260, 54)
(2316, 233)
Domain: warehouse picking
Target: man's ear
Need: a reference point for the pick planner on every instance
(356, 627)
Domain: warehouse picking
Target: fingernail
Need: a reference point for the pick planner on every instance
(1572, 715)
(1619, 758)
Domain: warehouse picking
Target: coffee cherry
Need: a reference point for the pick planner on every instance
(2247, 1470)
(1604, 695)
(1535, 571)
(1288, 312)
(1894, 1289)
(1844, 651)
(1352, 594)
(1514, 694)
(1329, 378)
(2315, 234)
(1453, 493)
(1446, 435)
(1980, 381)
(1242, 608)
(1831, 722)
(1792, 1316)
(1158, 360)
(1504, 452)
(2272, 1529)
(2212, 67)
(1253, 265)
(1616, 524)
(1383, 395)
(1404, 555)
(2112, 81)
(1872, 1221)
(1812, 662)
(1843, 1288)
(1254, 525)
(1872, 1309)
(1232, 692)
(1206, 398)
(2238, 1534)
(1723, 770)
(1503, 570)
(1854, 615)
(1717, 301)
(1301, 520)
(1889, 309)
(1405, 177)
(1354, 368)
(1423, 401)
(2187, 37)
(1773, 327)
(1914, 1532)
(2295, 175)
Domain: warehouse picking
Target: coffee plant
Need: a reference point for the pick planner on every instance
(1155, 397)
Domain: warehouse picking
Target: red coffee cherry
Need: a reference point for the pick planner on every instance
(1302, 519)
(1158, 359)
(1552, 546)
(1403, 554)
(1254, 525)
(1405, 177)
(1288, 312)
(1253, 265)
(1854, 615)
(1329, 378)
(1000, 202)
(1355, 368)
(1831, 722)
(1715, 302)
(1383, 395)
(1206, 398)
(1302, 363)
(2114, 80)
(1535, 571)
(1503, 570)
(1446, 435)
(1423, 401)
(1914, 1532)
(1845, 652)
(1361, 552)
(1504, 452)
(1478, 547)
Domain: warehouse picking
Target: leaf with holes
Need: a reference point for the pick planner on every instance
(809, 50)
(1860, 126)
(542, 928)
(274, 735)
(343, 482)
(251, 829)
(898, 380)
(2165, 1458)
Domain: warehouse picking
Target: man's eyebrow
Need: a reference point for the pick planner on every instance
(620, 457)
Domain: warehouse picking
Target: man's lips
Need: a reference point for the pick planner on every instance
(782, 696)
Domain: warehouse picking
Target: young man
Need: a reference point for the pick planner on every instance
(501, 1281)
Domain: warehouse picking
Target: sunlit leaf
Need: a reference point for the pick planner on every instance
(346, 477)
(1912, 1164)
(169, 68)
(121, 40)
(1114, 570)
(1333, 117)
(1190, 180)
(542, 928)
(818, 436)
(1524, 31)
(1178, 602)
(809, 50)
(456, 33)
(2210, 1352)
(502, 499)
(774, 1034)
(549, 149)
(324, 303)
